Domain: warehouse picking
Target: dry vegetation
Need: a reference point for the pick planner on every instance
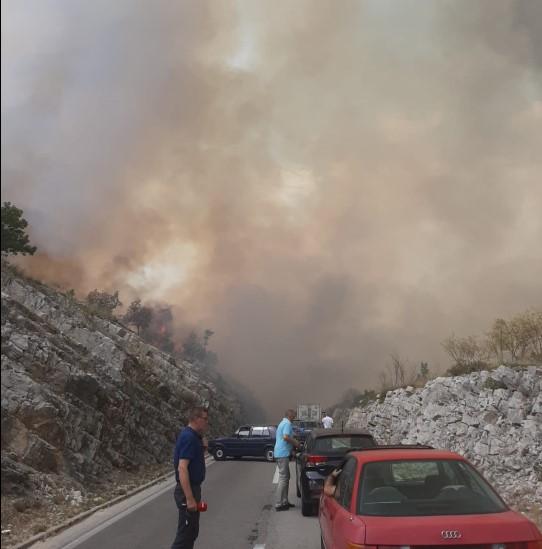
(25, 517)
(516, 342)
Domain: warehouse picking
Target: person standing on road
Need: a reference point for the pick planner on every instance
(283, 448)
(327, 421)
(189, 464)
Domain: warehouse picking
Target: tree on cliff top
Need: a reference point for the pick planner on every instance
(138, 315)
(195, 348)
(102, 303)
(14, 238)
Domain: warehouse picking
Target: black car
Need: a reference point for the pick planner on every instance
(247, 441)
(324, 451)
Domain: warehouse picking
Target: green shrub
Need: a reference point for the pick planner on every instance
(462, 369)
(494, 384)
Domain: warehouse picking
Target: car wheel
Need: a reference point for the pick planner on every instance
(269, 454)
(307, 507)
(219, 454)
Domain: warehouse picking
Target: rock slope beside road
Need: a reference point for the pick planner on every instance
(493, 418)
(84, 399)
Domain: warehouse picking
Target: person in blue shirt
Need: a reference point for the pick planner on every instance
(189, 465)
(284, 444)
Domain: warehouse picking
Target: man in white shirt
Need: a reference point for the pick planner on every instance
(327, 421)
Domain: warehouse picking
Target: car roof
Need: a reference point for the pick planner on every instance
(258, 426)
(395, 453)
(316, 433)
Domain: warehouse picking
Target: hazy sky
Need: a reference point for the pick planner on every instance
(320, 182)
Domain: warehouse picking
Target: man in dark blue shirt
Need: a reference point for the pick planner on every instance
(189, 464)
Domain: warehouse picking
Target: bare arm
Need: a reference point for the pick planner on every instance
(184, 478)
(330, 484)
(291, 440)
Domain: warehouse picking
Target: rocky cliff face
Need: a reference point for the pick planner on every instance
(493, 418)
(82, 396)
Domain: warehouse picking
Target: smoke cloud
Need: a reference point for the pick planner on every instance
(321, 183)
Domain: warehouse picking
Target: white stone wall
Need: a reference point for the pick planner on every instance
(493, 418)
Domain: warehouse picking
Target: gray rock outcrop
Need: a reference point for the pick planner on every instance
(493, 418)
(82, 396)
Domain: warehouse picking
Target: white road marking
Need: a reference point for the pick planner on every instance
(276, 476)
(259, 546)
(51, 542)
(117, 517)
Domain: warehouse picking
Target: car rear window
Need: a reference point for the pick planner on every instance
(424, 487)
(341, 443)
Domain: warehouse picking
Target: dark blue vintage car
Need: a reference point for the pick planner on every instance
(247, 441)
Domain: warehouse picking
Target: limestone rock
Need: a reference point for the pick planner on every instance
(82, 395)
(493, 418)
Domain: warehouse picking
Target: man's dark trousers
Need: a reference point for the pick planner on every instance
(188, 526)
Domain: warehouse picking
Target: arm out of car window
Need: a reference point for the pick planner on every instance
(330, 484)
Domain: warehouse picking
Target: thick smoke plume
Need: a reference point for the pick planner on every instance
(321, 183)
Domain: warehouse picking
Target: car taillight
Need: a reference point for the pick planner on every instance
(316, 460)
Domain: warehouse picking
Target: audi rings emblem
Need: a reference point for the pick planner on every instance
(450, 534)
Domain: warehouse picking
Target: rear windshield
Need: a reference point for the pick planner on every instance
(428, 487)
(341, 443)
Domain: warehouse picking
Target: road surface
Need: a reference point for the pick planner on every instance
(241, 514)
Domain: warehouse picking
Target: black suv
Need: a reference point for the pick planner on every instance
(324, 450)
(248, 441)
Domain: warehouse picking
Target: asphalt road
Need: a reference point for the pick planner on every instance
(241, 514)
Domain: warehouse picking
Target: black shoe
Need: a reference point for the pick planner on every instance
(290, 505)
(282, 507)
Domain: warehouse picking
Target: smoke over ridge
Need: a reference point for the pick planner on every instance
(321, 183)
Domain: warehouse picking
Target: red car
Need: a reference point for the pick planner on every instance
(418, 497)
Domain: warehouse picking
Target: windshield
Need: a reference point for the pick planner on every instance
(341, 443)
(428, 487)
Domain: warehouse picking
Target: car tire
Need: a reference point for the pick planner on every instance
(307, 507)
(219, 454)
(269, 454)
